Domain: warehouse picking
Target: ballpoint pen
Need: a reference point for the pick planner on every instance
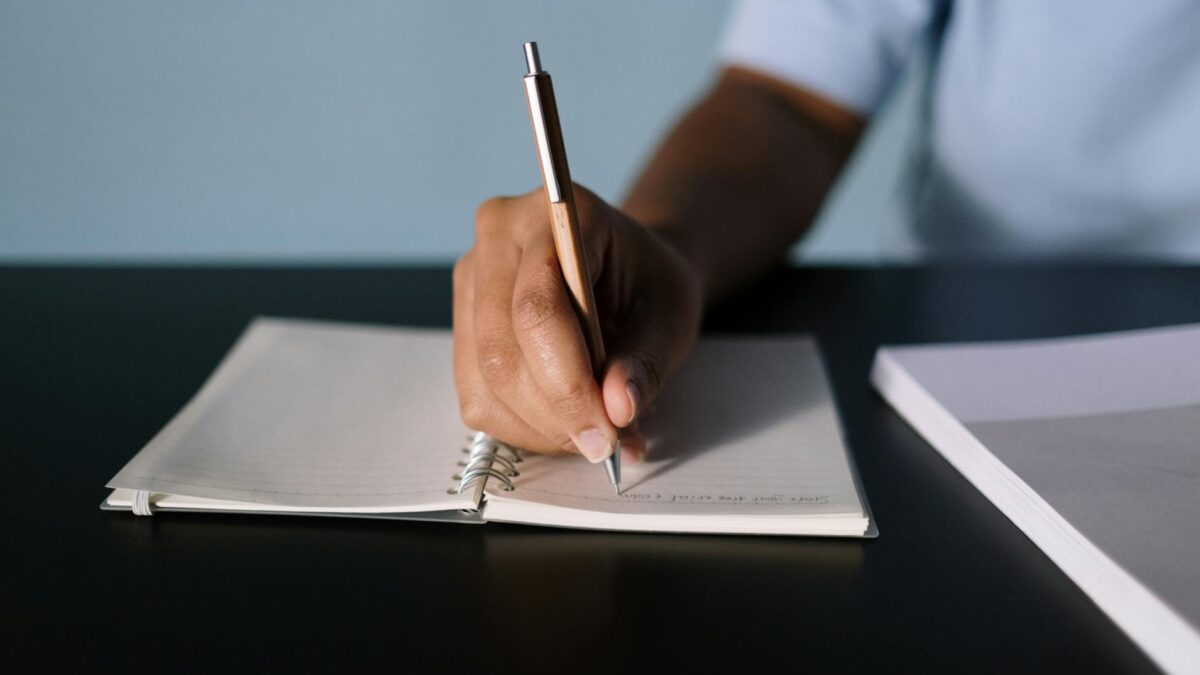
(568, 241)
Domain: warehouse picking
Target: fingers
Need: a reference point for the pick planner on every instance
(639, 365)
(521, 365)
(551, 343)
(480, 408)
(633, 446)
(498, 356)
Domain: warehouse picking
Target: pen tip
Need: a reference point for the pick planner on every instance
(612, 466)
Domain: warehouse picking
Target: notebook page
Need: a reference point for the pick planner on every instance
(746, 427)
(314, 415)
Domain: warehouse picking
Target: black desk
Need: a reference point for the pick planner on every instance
(94, 361)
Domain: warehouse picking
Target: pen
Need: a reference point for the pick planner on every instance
(568, 242)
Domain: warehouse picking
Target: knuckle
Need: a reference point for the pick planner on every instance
(498, 360)
(490, 215)
(474, 411)
(534, 307)
(571, 400)
(461, 273)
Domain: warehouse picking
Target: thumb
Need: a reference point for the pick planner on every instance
(635, 373)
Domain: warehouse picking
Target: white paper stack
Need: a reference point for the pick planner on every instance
(1090, 445)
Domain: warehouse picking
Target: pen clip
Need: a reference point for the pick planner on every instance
(541, 135)
(539, 92)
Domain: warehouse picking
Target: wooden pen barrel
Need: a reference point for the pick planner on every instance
(564, 219)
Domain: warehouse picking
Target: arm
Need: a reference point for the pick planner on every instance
(742, 175)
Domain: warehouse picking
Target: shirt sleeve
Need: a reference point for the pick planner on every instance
(850, 51)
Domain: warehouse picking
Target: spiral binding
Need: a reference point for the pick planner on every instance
(486, 458)
(141, 503)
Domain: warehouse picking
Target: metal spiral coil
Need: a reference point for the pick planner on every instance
(487, 458)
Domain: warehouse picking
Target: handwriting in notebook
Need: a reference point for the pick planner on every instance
(667, 498)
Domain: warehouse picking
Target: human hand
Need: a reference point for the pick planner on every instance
(521, 365)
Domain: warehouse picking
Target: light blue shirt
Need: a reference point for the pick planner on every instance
(1063, 128)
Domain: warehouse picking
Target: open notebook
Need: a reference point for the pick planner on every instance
(307, 417)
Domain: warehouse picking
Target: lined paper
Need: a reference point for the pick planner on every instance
(747, 428)
(317, 415)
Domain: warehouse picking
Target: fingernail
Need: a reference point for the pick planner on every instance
(635, 399)
(594, 445)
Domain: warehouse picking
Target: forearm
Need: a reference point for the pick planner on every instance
(741, 177)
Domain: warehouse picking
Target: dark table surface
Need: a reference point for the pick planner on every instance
(94, 360)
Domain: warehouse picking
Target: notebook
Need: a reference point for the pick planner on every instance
(320, 418)
(1090, 445)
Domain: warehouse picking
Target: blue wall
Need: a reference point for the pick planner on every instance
(318, 130)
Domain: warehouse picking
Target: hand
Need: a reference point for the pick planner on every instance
(520, 362)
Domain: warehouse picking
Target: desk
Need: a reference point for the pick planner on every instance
(94, 360)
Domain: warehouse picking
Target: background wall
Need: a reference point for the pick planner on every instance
(300, 130)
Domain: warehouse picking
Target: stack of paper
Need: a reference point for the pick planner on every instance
(1090, 445)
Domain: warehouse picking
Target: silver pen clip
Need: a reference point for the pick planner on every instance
(537, 113)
